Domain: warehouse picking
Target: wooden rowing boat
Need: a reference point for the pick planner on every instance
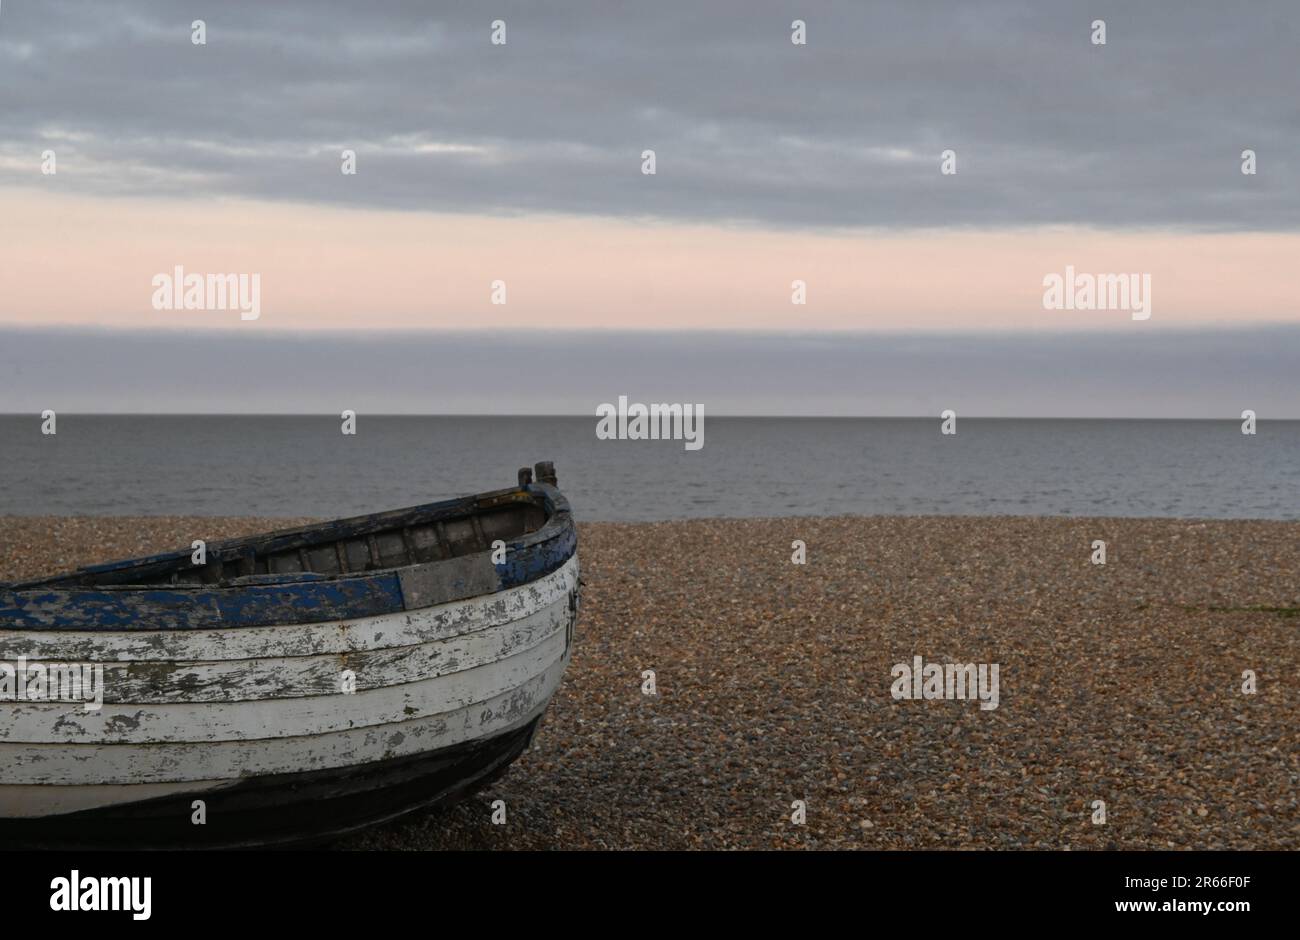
(294, 686)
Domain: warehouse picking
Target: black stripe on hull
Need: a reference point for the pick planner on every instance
(287, 810)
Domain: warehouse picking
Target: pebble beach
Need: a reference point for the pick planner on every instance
(1120, 683)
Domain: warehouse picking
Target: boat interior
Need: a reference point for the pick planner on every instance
(434, 532)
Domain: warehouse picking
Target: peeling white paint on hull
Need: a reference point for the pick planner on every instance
(245, 680)
(230, 760)
(54, 723)
(311, 639)
(201, 711)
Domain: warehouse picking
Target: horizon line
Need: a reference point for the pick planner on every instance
(760, 417)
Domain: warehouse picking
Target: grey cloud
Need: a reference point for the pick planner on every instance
(1154, 374)
(1146, 131)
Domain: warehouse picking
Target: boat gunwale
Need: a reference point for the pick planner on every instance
(299, 597)
(278, 540)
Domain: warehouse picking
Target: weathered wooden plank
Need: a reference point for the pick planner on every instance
(298, 676)
(436, 581)
(52, 722)
(66, 764)
(345, 636)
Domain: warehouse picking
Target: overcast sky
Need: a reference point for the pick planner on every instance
(847, 130)
(1202, 374)
(775, 163)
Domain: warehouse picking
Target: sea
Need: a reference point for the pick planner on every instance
(748, 467)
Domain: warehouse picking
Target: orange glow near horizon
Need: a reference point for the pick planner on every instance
(72, 260)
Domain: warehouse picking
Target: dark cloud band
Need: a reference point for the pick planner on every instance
(845, 131)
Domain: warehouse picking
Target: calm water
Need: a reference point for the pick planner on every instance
(304, 466)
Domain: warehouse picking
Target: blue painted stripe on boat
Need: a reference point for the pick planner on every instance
(257, 605)
(529, 564)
